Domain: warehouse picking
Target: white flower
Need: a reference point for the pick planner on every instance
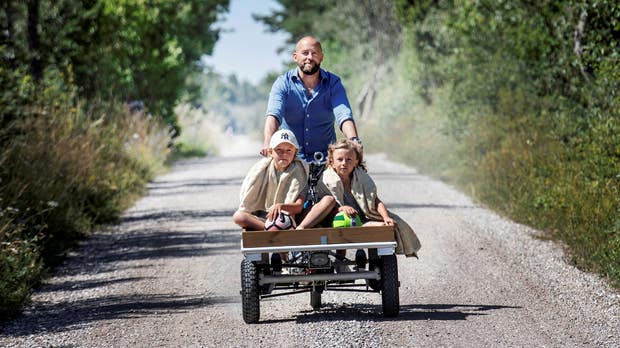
(52, 204)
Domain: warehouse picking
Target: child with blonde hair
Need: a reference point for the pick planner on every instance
(346, 187)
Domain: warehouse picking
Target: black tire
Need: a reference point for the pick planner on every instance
(389, 286)
(374, 264)
(250, 301)
(360, 259)
(315, 300)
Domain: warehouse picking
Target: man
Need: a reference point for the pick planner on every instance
(307, 100)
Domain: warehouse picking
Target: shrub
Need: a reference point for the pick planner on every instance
(67, 168)
(201, 131)
(20, 263)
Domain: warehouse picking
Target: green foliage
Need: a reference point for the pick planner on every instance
(185, 150)
(124, 50)
(514, 101)
(72, 155)
(66, 168)
(296, 18)
(20, 262)
(359, 38)
(234, 104)
(202, 132)
(534, 116)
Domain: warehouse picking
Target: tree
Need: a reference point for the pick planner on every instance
(364, 32)
(113, 49)
(296, 18)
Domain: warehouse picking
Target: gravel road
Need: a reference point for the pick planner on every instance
(168, 276)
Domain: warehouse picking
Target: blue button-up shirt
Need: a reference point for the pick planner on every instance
(310, 118)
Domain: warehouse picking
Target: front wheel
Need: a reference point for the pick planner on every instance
(315, 299)
(250, 301)
(374, 264)
(389, 286)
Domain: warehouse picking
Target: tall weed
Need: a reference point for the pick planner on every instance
(66, 168)
(202, 132)
(540, 159)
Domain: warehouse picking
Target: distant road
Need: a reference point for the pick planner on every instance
(168, 276)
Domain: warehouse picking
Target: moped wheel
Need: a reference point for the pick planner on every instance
(374, 264)
(315, 300)
(389, 286)
(250, 300)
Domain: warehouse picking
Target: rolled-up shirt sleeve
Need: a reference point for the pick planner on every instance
(277, 99)
(340, 103)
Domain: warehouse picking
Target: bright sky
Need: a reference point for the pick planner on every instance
(245, 48)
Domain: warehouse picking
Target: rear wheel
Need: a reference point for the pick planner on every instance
(389, 286)
(250, 301)
(315, 299)
(315, 294)
(374, 265)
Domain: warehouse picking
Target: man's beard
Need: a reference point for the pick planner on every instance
(309, 68)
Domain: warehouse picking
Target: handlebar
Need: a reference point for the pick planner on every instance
(318, 158)
(316, 169)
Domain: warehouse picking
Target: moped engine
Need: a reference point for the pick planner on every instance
(320, 260)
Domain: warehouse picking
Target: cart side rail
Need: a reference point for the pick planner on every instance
(380, 237)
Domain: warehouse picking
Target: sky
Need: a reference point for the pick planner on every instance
(245, 48)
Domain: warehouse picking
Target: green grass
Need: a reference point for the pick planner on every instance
(65, 169)
(183, 150)
(530, 168)
(200, 131)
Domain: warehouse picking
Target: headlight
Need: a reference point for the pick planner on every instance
(318, 260)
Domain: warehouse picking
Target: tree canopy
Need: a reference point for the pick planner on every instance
(121, 49)
(516, 101)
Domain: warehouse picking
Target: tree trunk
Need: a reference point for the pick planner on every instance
(577, 36)
(10, 32)
(36, 67)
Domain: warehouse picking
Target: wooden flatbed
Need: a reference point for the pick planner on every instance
(380, 237)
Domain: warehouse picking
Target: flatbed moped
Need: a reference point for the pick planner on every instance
(313, 266)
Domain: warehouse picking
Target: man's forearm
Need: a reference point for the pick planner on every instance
(271, 126)
(349, 130)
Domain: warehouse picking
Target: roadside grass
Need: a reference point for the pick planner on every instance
(540, 180)
(184, 150)
(200, 133)
(66, 169)
(528, 169)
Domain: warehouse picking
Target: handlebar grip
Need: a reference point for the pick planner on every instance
(318, 157)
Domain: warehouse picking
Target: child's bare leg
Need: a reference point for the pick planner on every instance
(318, 212)
(374, 223)
(248, 221)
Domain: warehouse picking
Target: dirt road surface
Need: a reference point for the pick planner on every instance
(168, 276)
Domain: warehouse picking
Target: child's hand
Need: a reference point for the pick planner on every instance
(388, 221)
(349, 210)
(274, 211)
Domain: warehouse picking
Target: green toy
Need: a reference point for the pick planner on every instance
(343, 220)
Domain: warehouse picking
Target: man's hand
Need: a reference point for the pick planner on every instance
(358, 142)
(265, 150)
(271, 126)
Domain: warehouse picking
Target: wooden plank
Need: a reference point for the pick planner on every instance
(312, 236)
